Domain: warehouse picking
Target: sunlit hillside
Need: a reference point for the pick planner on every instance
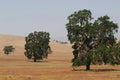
(16, 66)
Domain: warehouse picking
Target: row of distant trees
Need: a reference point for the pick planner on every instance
(93, 41)
(61, 42)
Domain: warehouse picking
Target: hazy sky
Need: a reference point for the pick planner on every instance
(20, 17)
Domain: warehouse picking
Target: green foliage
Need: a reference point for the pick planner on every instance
(94, 40)
(8, 49)
(109, 55)
(78, 62)
(37, 45)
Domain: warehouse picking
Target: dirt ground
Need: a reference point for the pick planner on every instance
(57, 67)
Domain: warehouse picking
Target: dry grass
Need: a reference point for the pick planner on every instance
(58, 66)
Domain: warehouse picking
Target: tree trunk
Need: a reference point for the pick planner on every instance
(88, 63)
(34, 59)
(88, 67)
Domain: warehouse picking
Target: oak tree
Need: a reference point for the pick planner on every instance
(37, 45)
(93, 40)
(8, 49)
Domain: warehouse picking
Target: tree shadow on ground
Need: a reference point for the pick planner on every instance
(41, 61)
(104, 70)
(96, 70)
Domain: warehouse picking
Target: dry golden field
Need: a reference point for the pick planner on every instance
(57, 67)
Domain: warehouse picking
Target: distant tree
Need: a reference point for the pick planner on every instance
(37, 45)
(8, 49)
(94, 41)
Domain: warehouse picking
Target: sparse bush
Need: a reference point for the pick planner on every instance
(8, 49)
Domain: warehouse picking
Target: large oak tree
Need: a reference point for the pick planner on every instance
(93, 40)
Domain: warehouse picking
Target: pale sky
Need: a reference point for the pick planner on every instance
(21, 17)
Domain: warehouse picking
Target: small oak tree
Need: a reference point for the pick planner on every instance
(93, 41)
(37, 45)
(8, 49)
